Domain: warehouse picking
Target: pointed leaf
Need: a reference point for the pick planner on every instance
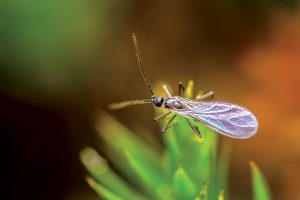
(149, 181)
(221, 195)
(183, 186)
(102, 191)
(118, 138)
(259, 184)
(98, 168)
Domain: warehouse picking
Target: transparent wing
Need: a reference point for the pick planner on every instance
(225, 118)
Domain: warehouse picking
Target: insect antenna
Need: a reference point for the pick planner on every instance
(124, 104)
(138, 54)
(156, 100)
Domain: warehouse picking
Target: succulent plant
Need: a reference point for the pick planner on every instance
(186, 168)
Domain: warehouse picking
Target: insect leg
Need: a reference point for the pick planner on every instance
(211, 93)
(167, 91)
(194, 128)
(161, 116)
(168, 124)
(180, 88)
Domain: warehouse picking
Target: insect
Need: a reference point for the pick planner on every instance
(225, 118)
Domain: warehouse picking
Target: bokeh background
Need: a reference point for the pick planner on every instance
(61, 61)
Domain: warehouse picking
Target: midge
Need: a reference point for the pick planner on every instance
(225, 118)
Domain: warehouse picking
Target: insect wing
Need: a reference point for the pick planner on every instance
(225, 118)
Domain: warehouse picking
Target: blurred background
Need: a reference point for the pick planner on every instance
(61, 61)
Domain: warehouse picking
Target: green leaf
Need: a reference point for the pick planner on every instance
(171, 154)
(183, 186)
(147, 179)
(98, 168)
(102, 191)
(221, 178)
(259, 184)
(189, 89)
(221, 195)
(203, 192)
(118, 139)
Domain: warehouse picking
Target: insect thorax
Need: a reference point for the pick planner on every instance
(174, 103)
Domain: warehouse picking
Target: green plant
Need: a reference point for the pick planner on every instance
(188, 167)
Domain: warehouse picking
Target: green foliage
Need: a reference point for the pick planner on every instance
(259, 184)
(48, 45)
(188, 167)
